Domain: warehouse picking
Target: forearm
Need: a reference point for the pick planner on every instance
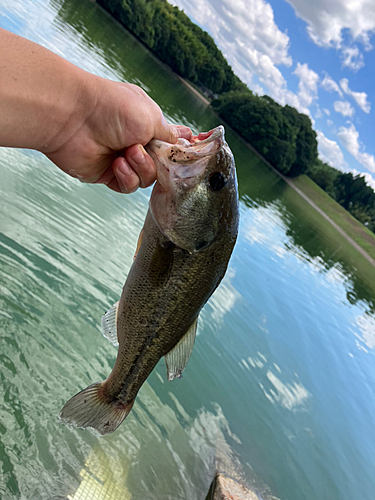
(43, 97)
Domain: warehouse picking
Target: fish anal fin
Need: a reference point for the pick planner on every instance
(109, 324)
(177, 358)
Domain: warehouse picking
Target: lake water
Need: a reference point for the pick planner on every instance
(279, 391)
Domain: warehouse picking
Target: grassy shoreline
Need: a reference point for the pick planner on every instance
(354, 229)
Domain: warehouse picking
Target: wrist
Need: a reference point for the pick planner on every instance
(74, 108)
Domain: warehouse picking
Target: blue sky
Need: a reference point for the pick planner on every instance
(316, 55)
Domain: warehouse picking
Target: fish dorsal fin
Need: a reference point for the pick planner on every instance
(109, 324)
(176, 359)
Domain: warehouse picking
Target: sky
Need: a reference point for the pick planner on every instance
(315, 55)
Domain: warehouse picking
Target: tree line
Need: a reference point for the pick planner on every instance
(281, 134)
(350, 191)
(177, 41)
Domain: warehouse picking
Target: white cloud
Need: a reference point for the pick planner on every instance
(329, 20)
(246, 33)
(330, 152)
(359, 97)
(352, 58)
(307, 88)
(308, 84)
(326, 111)
(329, 123)
(370, 181)
(255, 47)
(349, 138)
(253, 22)
(257, 89)
(344, 108)
(330, 85)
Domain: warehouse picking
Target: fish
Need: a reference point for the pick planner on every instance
(182, 255)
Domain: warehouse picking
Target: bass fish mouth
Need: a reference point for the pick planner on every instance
(205, 144)
(213, 134)
(184, 160)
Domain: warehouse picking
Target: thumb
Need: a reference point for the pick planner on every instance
(166, 132)
(170, 133)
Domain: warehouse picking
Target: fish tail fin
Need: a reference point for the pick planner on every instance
(90, 408)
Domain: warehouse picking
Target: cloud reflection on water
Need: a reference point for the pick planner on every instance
(223, 299)
(289, 395)
(366, 326)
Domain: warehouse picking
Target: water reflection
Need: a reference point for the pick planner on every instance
(366, 325)
(296, 233)
(224, 299)
(102, 51)
(309, 231)
(289, 395)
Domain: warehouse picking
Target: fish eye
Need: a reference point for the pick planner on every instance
(217, 181)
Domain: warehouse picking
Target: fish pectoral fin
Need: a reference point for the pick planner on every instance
(177, 358)
(109, 324)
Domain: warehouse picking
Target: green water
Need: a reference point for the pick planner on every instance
(279, 391)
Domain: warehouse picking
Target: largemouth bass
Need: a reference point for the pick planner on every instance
(182, 255)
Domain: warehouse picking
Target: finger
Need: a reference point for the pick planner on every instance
(114, 185)
(165, 132)
(170, 133)
(142, 164)
(106, 178)
(109, 179)
(128, 180)
(185, 132)
(120, 177)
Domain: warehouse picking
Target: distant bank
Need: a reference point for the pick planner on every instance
(195, 91)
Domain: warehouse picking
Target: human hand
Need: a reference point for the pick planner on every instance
(106, 146)
(92, 128)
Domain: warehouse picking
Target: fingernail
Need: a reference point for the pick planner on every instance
(139, 155)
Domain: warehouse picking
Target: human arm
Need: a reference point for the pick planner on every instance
(92, 128)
